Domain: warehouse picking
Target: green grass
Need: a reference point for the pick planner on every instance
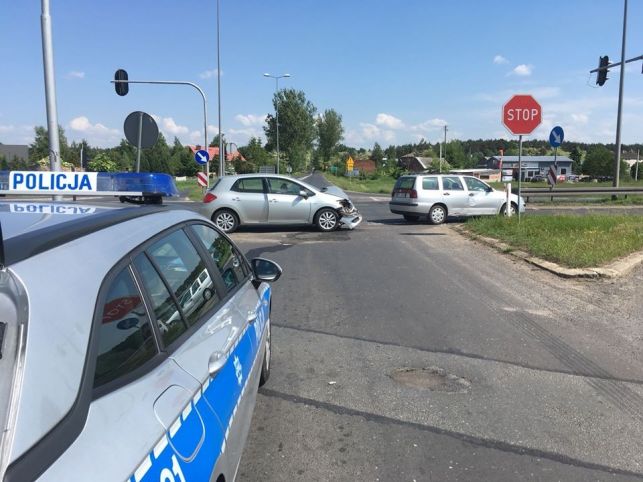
(573, 241)
(383, 185)
(190, 189)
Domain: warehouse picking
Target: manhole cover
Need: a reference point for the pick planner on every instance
(431, 378)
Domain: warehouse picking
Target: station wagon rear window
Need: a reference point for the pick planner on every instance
(405, 183)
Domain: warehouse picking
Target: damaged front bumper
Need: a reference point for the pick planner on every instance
(349, 217)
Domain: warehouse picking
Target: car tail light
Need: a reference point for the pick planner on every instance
(414, 194)
(209, 197)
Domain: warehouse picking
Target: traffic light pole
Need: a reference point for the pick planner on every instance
(617, 162)
(205, 108)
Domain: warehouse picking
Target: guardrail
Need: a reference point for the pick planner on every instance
(569, 192)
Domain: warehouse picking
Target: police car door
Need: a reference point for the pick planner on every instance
(237, 366)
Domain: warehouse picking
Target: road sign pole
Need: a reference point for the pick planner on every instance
(508, 201)
(520, 173)
(138, 144)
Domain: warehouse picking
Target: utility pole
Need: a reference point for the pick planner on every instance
(445, 144)
(638, 159)
(617, 166)
(50, 89)
(221, 158)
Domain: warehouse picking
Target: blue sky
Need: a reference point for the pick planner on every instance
(395, 69)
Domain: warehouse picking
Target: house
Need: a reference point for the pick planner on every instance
(413, 163)
(12, 152)
(531, 165)
(366, 166)
(214, 153)
(490, 175)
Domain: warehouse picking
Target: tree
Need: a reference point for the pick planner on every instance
(455, 154)
(330, 131)
(102, 162)
(39, 149)
(598, 161)
(297, 129)
(577, 157)
(157, 157)
(391, 157)
(215, 141)
(377, 154)
(182, 162)
(255, 153)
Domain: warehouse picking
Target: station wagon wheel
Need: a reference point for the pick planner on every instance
(437, 214)
(327, 220)
(514, 209)
(226, 220)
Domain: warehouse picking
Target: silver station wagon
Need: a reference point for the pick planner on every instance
(437, 196)
(252, 199)
(132, 344)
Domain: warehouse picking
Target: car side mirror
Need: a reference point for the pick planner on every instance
(303, 194)
(266, 270)
(489, 189)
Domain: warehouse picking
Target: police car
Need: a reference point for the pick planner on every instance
(132, 338)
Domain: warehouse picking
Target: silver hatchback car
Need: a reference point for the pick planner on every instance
(273, 199)
(437, 196)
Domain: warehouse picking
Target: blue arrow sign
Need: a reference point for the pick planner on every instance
(202, 157)
(556, 136)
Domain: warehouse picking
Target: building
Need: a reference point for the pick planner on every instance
(490, 175)
(413, 163)
(531, 165)
(366, 166)
(12, 152)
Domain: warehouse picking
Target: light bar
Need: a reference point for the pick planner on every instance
(143, 184)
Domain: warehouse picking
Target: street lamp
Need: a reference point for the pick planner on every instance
(277, 77)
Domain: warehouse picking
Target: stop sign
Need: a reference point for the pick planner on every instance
(522, 114)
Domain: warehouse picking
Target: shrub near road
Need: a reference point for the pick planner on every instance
(573, 241)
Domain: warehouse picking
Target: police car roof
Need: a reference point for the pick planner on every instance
(30, 228)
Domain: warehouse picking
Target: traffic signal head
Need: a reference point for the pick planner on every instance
(601, 77)
(122, 88)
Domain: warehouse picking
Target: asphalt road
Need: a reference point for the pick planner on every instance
(406, 352)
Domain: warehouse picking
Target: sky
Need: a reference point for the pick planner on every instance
(396, 70)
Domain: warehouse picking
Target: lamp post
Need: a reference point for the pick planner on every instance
(221, 159)
(277, 77)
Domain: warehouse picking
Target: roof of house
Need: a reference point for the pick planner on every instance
(9, 151)
(214, 152)
(549, 159)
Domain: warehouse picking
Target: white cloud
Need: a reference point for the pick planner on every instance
(523, 70)
(388, 120)
(580, 118)
(96, 134)
(250, 119)
(172, 128)
(429, 125)
(209, 74)
(75, 74)
(6, 129)
(499, 60)
(242, 136)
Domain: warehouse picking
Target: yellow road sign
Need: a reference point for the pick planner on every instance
(349, 164)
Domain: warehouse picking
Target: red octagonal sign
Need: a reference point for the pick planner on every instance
(522, 114)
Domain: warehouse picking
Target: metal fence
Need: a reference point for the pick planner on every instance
(587, 192)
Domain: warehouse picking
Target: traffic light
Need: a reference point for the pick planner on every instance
(122, 88)
(601, 77)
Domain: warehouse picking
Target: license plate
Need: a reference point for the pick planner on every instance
(402, 194)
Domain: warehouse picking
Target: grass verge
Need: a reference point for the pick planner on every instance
(190, 189)
(572, 241)
(382, 185)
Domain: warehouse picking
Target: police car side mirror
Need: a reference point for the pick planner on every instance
(266, 270)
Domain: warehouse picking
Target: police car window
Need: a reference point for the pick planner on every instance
(186, 274)
(452, 184)
(252, 185)
(474, 184)
(430, 183)
(168, 316)
(230, 264)
(125, 338)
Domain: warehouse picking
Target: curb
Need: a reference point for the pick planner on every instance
(614, 269)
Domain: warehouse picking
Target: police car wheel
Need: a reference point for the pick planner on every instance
(265, 367)
(226, 220)
(327, 220)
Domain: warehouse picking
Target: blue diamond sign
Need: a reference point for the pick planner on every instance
(202, 157)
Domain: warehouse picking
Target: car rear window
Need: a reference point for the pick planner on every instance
(406, 182)
(430, 184)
